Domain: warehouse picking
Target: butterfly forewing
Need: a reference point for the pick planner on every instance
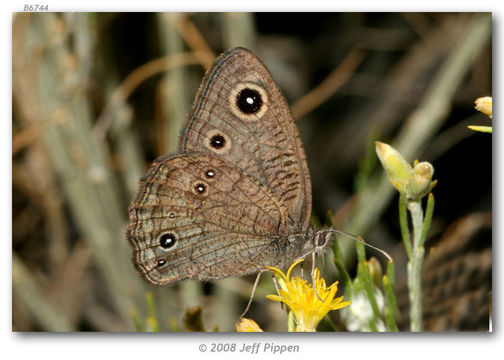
(241, 115)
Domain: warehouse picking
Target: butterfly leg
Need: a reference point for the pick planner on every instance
(275, 282)
(313, 277)
(252, 294)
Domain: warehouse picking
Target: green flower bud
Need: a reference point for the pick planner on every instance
(396, 167)
(420, 180)
(375, 271)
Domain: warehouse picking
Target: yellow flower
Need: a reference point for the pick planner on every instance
(300, 297)
(247, 325)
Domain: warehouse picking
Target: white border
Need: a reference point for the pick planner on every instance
(331, 346)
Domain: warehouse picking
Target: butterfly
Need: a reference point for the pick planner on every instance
(236, 196)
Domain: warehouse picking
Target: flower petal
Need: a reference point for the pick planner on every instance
(301, 297)
(247, 325)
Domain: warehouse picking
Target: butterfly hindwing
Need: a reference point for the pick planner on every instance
(200, 217)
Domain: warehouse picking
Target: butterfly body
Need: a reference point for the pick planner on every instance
(237, 195)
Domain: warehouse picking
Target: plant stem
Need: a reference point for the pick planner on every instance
(174, 326)
(136, 320)
(291, 323)
(329, 323)
(415, 266)
(368, 287)
(338, 258)
(391, 310)
(389, 306)
(403, 221)
(365, 286)
(152, 322)
(428, 218)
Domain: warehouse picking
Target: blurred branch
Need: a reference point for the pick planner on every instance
(423, 122)
(47, 198)
(122, 134)
(196, 42)
(69, 284)
(25, 137)
(238, 29)
(448, 138)
(133, 80)
(174, 97)
(337, 78)
(79, 160)
(129, 151)
(395, 94)
(419, 22)
(429, 116)
(100, 317)
(48, 317)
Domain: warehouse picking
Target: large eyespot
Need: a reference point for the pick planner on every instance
(248, 101)
(167, 240)
(217, 141)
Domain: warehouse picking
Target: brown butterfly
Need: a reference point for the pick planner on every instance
(236, 197)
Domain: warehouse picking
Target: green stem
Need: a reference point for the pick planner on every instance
(291, 323)
(173, 325)
(403, 221)
(338, 257)
(428, 218)
(361, 252)
(391, 310)
(368, 285)
(329, 323)
(365, 280)
(390, 287)
(136, 321)
(152, 323)
(390, 305)
(415, 266)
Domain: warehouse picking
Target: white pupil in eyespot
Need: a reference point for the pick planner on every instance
(250, 100)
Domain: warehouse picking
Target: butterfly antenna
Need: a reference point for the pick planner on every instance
(252, 294)
(361, 240)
